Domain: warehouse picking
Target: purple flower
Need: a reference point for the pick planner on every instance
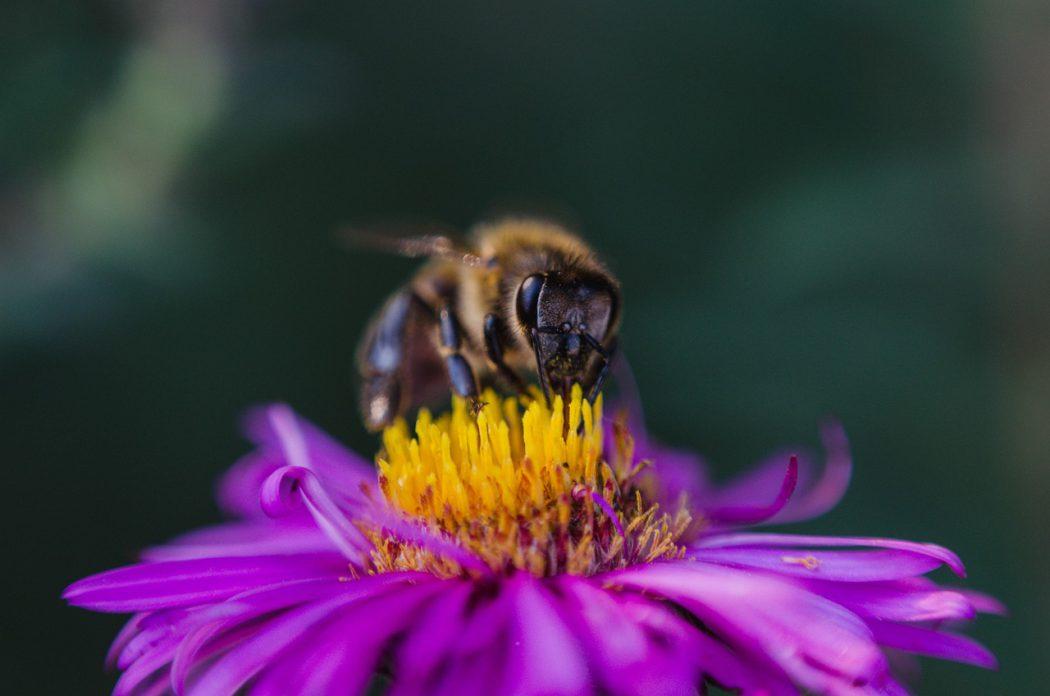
(509, 552)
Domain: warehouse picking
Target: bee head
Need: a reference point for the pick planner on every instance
(568, 317)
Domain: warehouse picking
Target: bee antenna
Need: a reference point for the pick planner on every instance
(433, 242)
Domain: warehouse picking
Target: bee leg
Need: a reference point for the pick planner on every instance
(382, 359)
(606, 355)
(494, 349)
(460, 374)
(544, 382)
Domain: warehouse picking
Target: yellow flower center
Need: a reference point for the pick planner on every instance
(521, 485)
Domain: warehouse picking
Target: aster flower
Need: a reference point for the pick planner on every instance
(524, 550)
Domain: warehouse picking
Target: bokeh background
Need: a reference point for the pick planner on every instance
(814, 207)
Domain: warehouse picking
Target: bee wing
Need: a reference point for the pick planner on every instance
(428, 241)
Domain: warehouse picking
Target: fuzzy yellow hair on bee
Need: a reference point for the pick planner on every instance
(521, 297)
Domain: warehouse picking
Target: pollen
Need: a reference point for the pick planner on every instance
(522, 485)
(807, 562)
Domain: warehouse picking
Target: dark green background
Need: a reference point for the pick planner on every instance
(814, 207)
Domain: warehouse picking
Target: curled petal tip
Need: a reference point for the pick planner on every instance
(288, 487)
(825, 493)
(280, 492)
(758, 513)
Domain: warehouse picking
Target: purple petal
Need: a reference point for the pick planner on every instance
(843, 566)
(827, 491)
(189, 653)
(431, 639)
(157, 628)
(614, 639)
(983, 603)
(478, 658)
(290, 486)
(215, 639)
(821, 645)
(238, 490)
(244, 661)
(634, 646)
(734, 671)
(304, 444)
(340, 657)
(674, 662)
(126, 634)
(904, 667)
(890, 687)
(264, 537)
(488, 621)
(933, 551)
(753, 514)
(675, 472)
(480, 674)
(146, 666)
(914, 599)
(812, 499)
(926, 641)
(279, 432)
(203, 625)
(151, 586)
(544, 656)
(157, 685)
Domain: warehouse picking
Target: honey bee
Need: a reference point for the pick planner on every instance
(523, 296)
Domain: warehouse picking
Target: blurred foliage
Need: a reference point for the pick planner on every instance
(795, 195)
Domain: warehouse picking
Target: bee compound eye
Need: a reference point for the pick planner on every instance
(529, 299)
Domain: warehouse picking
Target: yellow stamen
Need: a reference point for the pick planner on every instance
(519, 489)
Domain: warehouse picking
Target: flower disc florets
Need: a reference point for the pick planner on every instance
(523, 486)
